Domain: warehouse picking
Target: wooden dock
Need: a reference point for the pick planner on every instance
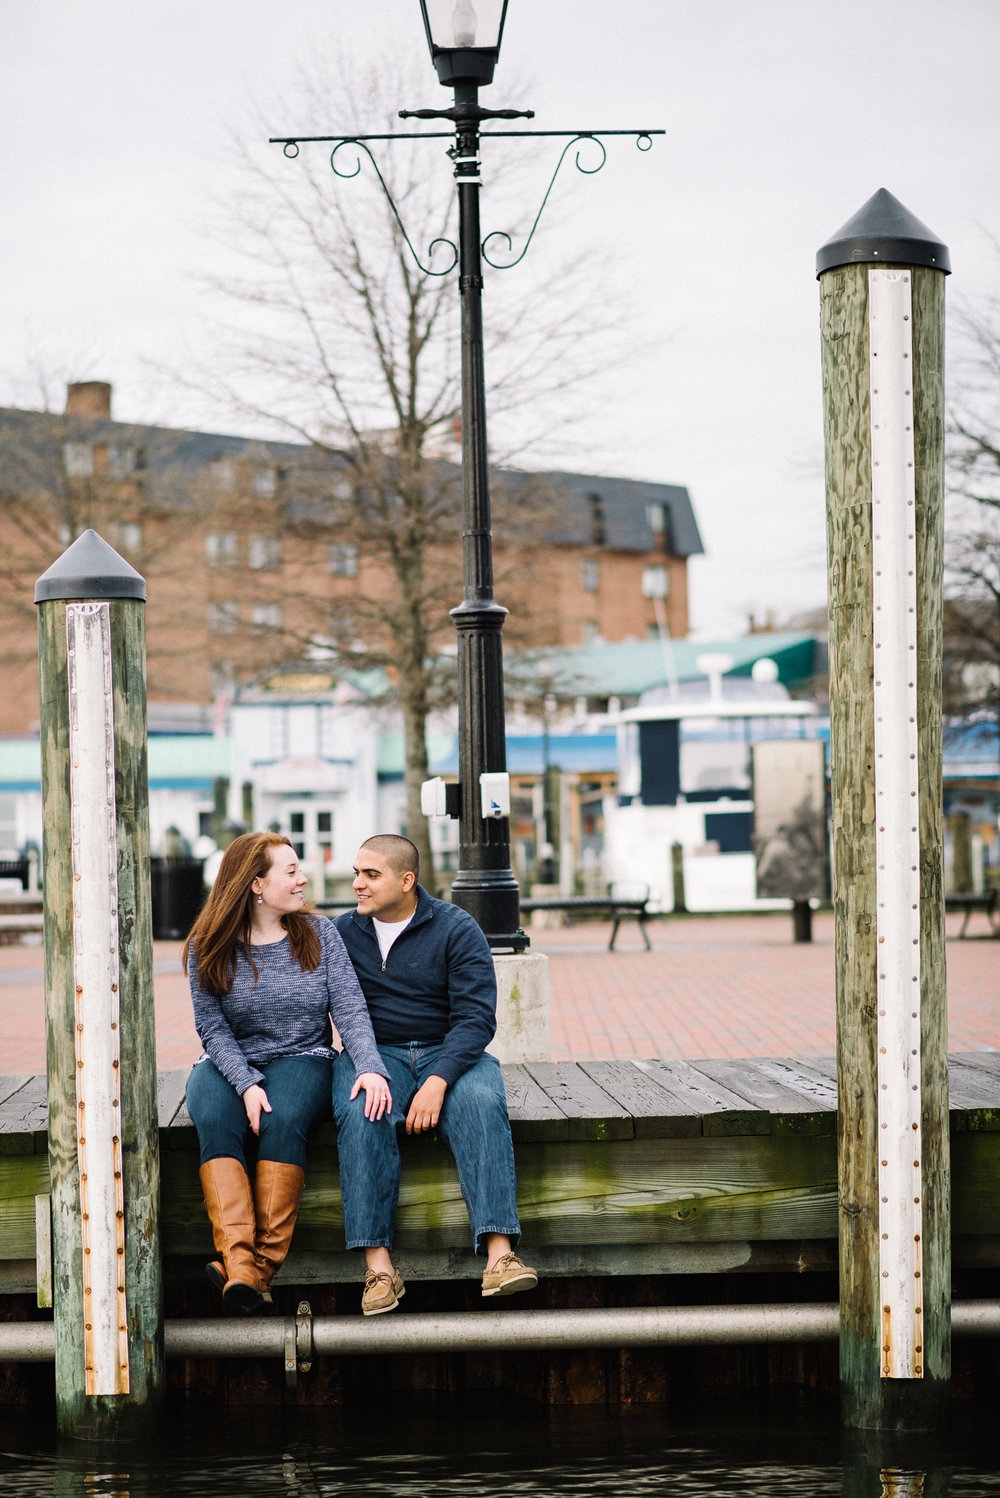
(624, 1168)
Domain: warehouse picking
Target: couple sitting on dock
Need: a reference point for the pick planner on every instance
(410, 985)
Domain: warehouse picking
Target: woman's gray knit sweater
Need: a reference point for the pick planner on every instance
(285, 1012)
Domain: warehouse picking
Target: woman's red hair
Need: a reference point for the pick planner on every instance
(226, 918)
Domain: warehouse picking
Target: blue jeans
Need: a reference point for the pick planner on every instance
(298, 1089)
(473, 1124)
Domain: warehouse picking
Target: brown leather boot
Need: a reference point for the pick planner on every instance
(228, 1199)
(277, 1192)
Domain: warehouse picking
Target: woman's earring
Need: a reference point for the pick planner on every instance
(260, 899)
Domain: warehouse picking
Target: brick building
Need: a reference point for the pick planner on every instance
(257, 554)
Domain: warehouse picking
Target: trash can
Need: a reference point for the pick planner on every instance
(177, 888)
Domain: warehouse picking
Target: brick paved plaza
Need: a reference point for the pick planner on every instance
(712, 986)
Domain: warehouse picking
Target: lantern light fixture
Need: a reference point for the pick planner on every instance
(464, 38)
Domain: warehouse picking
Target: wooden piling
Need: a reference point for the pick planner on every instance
(882, 299)
(100, 1028)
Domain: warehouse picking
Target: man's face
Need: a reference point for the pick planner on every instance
(380, 890)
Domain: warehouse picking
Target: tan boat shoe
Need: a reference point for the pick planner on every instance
(382, 1292)
(508, 1276)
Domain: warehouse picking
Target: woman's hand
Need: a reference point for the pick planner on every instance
(378, 1098)
(255, 1102)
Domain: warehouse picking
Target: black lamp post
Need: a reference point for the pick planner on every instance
(464, 41)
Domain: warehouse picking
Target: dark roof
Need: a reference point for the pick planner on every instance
(32, 442)
(623, 507)
(619, 509)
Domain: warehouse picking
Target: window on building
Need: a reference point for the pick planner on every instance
(122, 462)
(264, 553)
(126, 536)
(220, 548)
(264, 482)
(590, 575)
(224, 616)
(598, 525)
(344, 560)
(297, 830)
(590, 631)
(264, 616)
(655, 582)
(223, 475)
(342, 626)
(324, 835)
(78, 460)
(343, 489)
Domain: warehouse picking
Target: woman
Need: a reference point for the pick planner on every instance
(266, 975)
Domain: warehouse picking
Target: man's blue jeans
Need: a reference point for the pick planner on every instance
(298, 1089)
(473, 1124)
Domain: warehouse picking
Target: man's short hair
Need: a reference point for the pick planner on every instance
(401, 854)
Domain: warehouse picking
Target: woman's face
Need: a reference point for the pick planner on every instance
(283, 885)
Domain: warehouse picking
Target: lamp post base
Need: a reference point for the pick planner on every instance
(492, 898)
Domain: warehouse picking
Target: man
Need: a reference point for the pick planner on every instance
(427, 974)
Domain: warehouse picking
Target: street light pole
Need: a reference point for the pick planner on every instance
(484, 882)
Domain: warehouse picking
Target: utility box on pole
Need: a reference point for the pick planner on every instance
(882, 318)
(100, 1027)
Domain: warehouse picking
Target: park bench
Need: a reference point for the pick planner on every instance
(20, 915)
(968, 903)
(619, 902)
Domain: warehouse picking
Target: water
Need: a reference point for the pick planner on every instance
(510, 1449)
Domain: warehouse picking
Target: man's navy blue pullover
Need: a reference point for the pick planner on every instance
(437, 985)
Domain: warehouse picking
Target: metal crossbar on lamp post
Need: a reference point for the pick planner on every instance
(464, 39)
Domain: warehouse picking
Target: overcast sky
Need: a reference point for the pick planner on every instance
(782, 118)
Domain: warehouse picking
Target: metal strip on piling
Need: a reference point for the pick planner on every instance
(96, 978)
(897, 835)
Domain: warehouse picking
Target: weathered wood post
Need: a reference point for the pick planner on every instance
(100, 1030)
(882, 317)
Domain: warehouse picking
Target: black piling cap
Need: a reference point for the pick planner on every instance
(90, 568)
(883, 230)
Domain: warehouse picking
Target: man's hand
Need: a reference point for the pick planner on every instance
(425, 1110)
(378, 1098)
(255, 1102)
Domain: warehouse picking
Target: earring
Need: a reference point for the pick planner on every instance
(260, 899)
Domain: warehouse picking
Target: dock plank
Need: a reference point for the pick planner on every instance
(722, 1111)
(8, 1086)
(170, 1087)
(592, 1113)
(679, 1190)
(656, 1112)
(974, 1092)
(790, 1111)
(818, 1090)
(988, 1061)
(533, 1114)
(25, 1112)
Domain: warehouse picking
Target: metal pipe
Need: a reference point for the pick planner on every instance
(496, 1331)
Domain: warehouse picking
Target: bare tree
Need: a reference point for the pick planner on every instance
(972, 606)
(344, 343)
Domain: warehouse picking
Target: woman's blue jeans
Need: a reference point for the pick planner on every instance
(298, 1089)
(473, 1124)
